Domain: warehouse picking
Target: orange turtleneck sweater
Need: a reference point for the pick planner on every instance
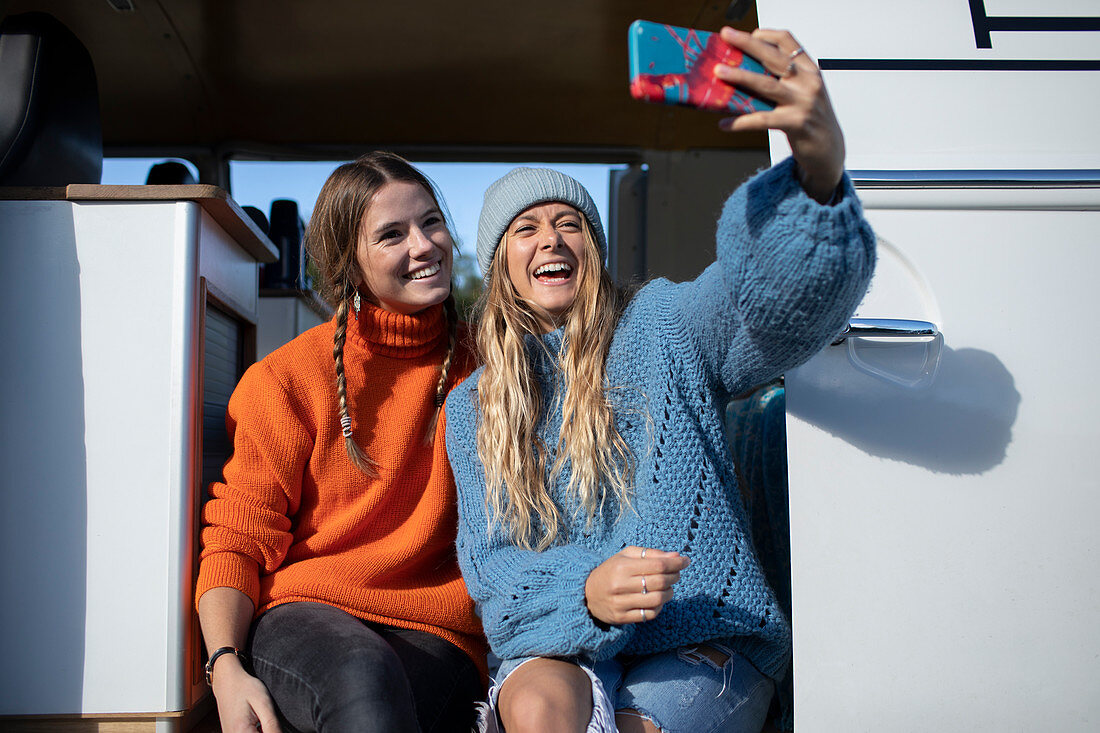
(294, 520)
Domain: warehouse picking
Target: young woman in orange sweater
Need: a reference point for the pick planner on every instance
(329, 593)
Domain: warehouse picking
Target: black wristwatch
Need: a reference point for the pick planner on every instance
(217, 653)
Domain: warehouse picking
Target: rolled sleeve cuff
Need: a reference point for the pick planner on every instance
(229, 570)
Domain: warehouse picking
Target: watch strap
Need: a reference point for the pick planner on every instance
(214, 657)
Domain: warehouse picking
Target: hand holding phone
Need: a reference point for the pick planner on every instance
(674, 65)
(714, 71)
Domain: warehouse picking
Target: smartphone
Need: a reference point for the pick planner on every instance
(673, 65)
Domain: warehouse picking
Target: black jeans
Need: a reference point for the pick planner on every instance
(329, 672)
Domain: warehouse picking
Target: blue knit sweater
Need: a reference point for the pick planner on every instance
(788, 275)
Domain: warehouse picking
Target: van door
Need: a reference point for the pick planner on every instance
(943, 494)
(943, 500)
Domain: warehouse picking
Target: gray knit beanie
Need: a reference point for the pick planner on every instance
(520, 189)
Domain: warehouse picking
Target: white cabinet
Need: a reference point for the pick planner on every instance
(106, 305)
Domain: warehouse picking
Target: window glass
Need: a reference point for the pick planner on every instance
(258, 183)
(133, 171)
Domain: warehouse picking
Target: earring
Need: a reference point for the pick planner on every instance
(355, 303)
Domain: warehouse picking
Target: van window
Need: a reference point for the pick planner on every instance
(134, 171)
(258, 183)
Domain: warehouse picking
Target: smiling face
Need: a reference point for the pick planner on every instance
(404, 250)
(545, 255)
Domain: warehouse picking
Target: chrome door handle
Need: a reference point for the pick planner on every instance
(887, 327)
(899, 333)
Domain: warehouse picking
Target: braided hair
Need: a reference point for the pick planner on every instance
(331, 239)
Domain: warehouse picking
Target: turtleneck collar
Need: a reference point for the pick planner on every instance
(397, 335)
(551, 340)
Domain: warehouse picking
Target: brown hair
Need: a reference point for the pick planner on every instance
(510, 401)
(332, 238)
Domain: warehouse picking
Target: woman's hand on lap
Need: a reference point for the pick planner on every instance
(244, 705)
(633, 585)
(802, 107)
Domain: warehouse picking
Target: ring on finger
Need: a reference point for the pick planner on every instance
(645, 589)
(643, 552)
(642, 611)
(790, 61)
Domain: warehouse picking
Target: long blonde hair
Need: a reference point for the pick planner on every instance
(515, 458)
(331, 240)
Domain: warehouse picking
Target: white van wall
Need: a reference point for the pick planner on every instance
(943, 538)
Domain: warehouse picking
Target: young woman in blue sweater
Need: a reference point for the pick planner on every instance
(601, 529)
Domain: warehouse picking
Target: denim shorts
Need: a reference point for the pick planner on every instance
(677, 690)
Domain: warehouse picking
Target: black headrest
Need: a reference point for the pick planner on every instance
(170, 172)
(50, 131)
(258, 218)
(286, 232)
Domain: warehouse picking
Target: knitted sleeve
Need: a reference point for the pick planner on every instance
(531, 603)
(246, 527)
(788, 275)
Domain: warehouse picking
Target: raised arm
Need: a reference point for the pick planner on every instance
(802, 107)
(788, 276)
(794, 253)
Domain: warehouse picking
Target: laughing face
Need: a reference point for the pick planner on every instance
(545, 255)
(404, 250)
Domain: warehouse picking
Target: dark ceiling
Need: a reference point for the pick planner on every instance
(301, 75)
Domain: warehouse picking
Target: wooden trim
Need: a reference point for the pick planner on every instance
(90, 725)
(211, 296)
(226, 302)
(7, 719)
(32, 193)
(138, 723)
(195, 665)
(215, 201)
(201, 717)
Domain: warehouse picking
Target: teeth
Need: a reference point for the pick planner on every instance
(426, 272)
(553, 267)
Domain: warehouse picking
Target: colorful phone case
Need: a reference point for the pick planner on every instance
(673, 65)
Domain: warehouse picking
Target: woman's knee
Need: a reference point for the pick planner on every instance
(546, 694)
(368, 669)
(364, 688)
(326, 669)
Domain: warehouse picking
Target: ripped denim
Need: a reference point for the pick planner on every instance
(678, 690)
(685, 690)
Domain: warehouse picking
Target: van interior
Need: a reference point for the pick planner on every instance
(196, 85)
